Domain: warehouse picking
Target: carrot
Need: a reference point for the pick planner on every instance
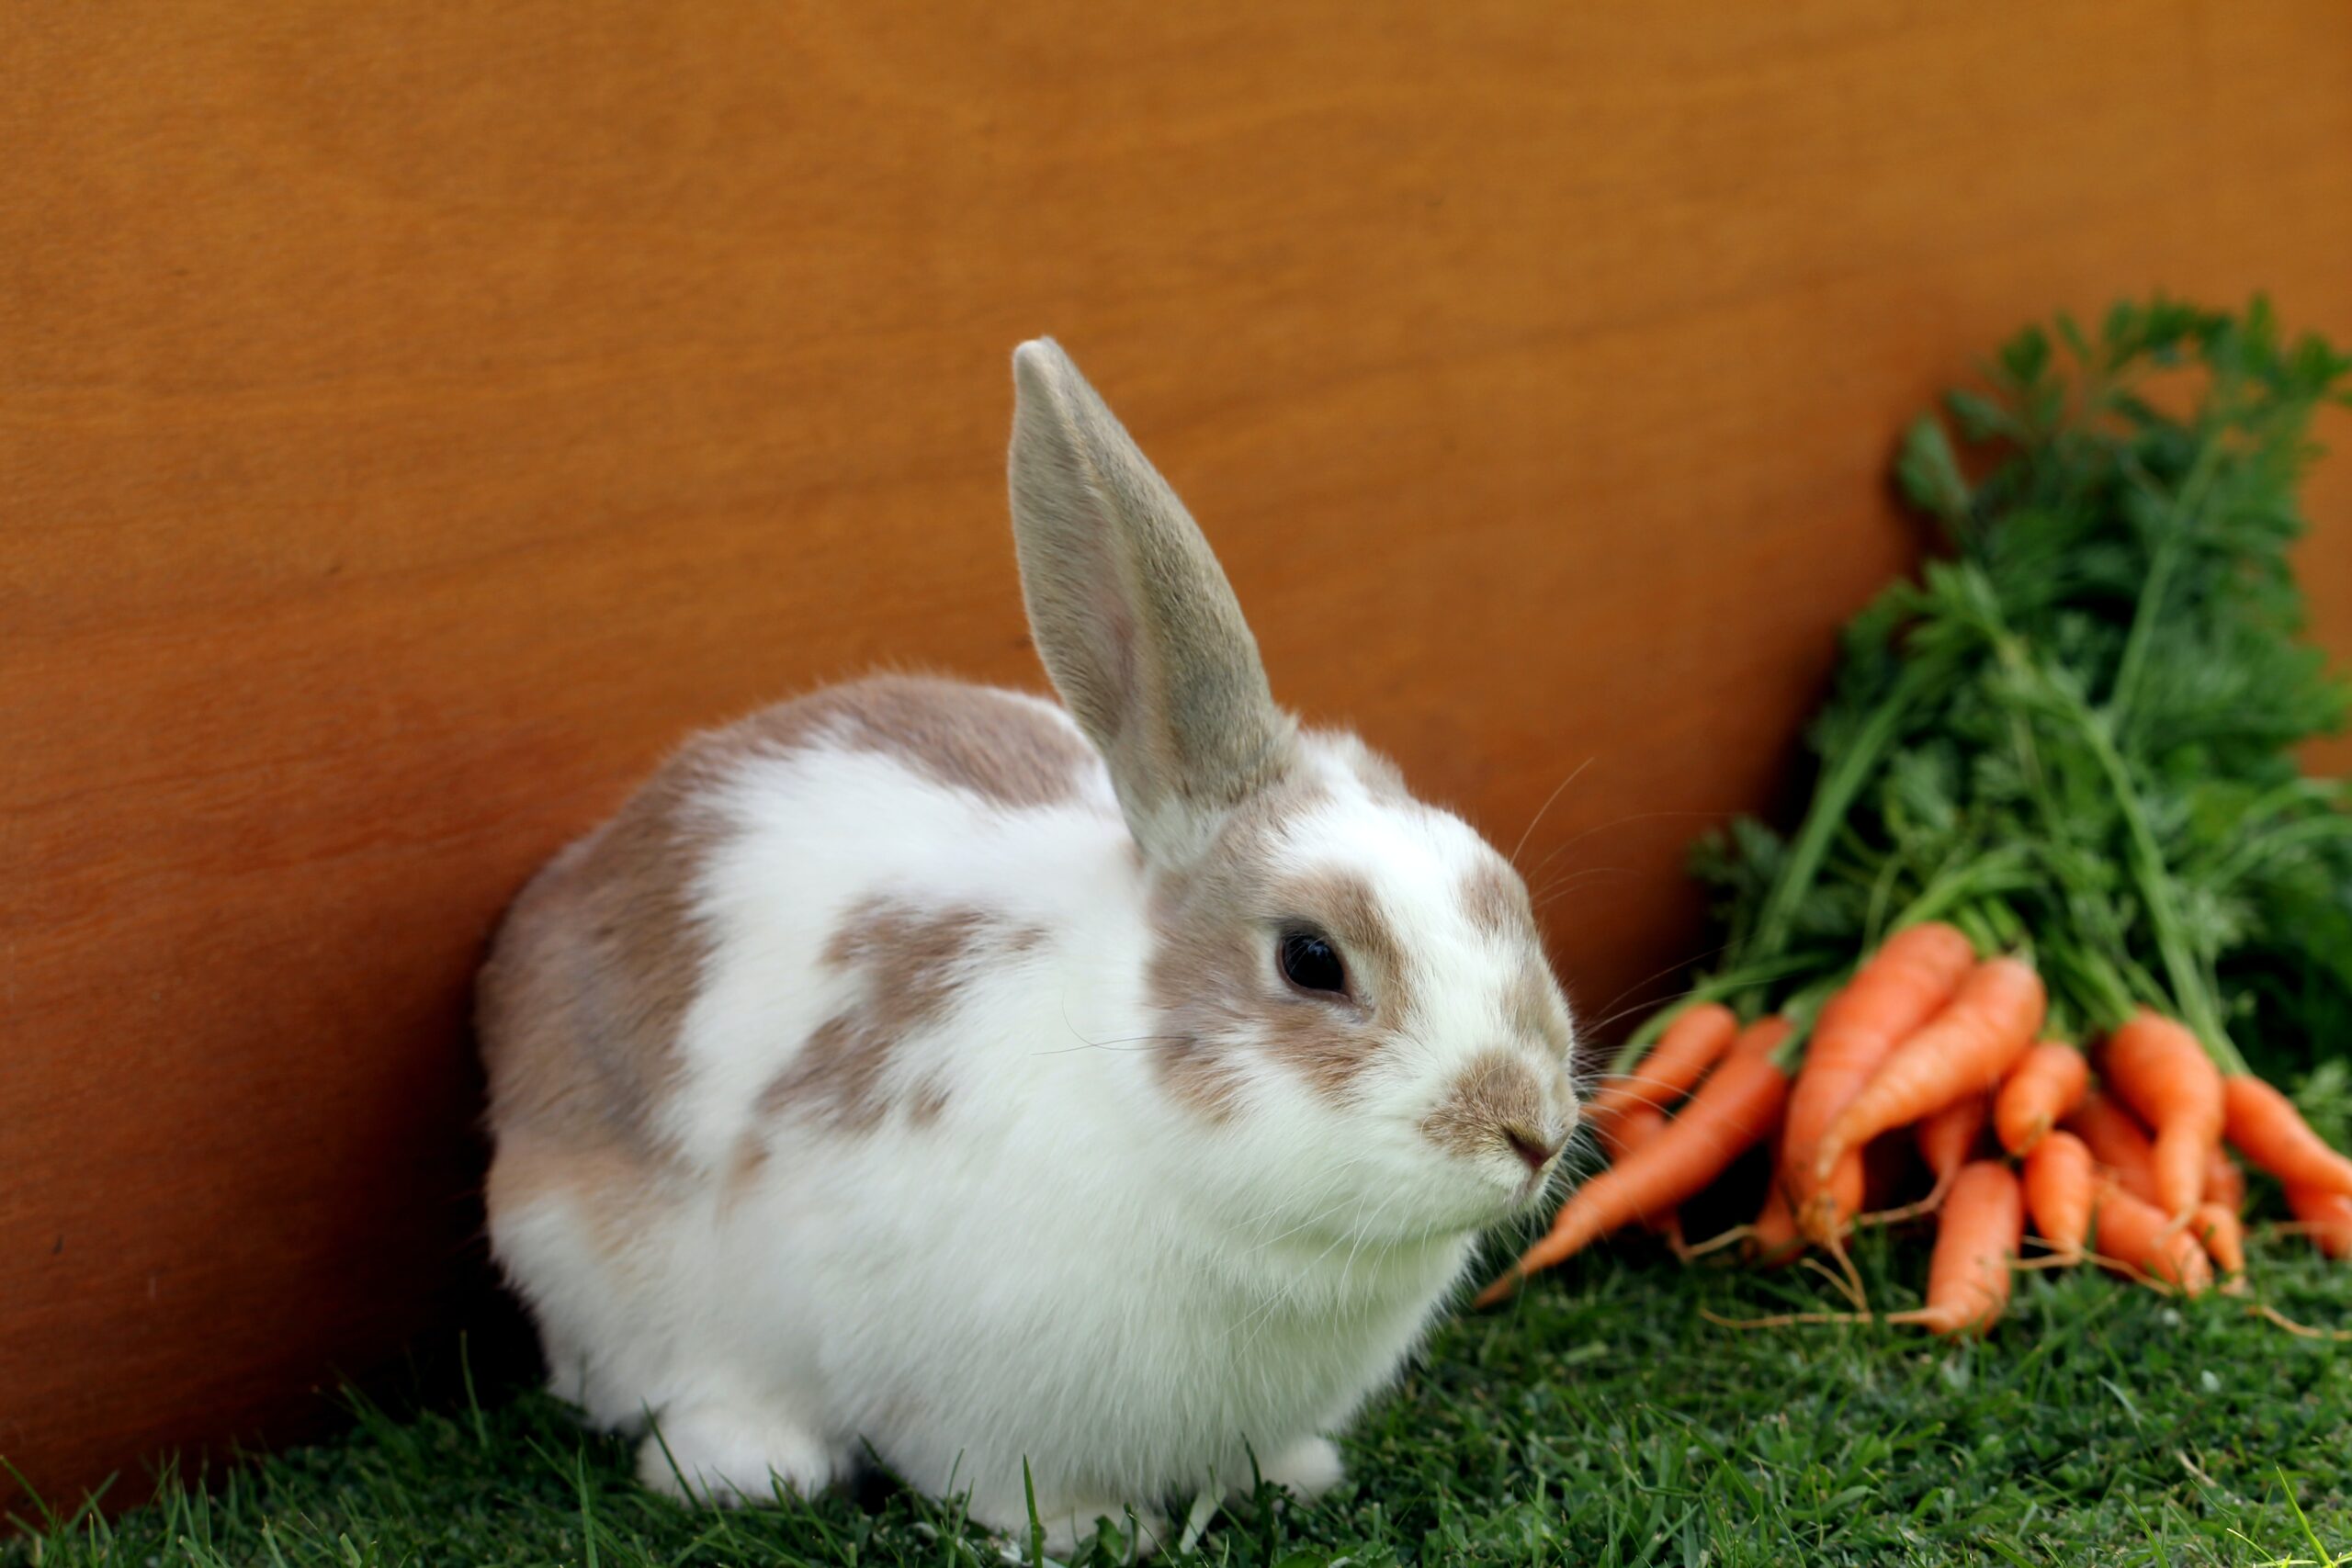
(1733, 1111)
(1630, 1129)
(2130, 1231)
(1836, 1198)
(2225, 1182)
(1912, 975)
(1949, 1137)
(2156, 1066)
(2269, 1131)
(1694, 1041)
(1636, 1125)
(1763, 1037)
(1976, 1240)
(2118, 1142)
(2326, 1215)
(2061, 1184)
(2216, 1228)
(2047, 1083)
(1963, 1050)
(1773, 1240)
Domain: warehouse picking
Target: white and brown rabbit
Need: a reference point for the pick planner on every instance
(1117, 1090)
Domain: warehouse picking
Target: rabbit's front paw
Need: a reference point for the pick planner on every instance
(1308, 1469)
(725, 1456)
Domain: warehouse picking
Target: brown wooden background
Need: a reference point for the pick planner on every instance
(411, 422)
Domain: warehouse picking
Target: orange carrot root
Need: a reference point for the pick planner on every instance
(2326, 1216)
(1630, 1129)
(2267, 1128)
(2132, 1231)
(2217, 1230)
(2117, 1142)
(2061, 1184)
(1949, 1137)
(1901, 985)
(2225, 1182)
(1945, 1142)
(1929, 1049)
(1976, 1242)
(2047, 1083)
(1694, 1041)
(1965, 1049)
(1835, 1200)
(2155, 1066)
(1772, 1238)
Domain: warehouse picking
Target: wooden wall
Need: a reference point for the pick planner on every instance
(412, 420)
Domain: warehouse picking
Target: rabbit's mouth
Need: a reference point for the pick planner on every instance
(1538, 1183)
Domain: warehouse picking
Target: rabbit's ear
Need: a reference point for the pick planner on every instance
(1133, 616)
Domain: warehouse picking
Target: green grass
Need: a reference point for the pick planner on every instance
(1601, 1421)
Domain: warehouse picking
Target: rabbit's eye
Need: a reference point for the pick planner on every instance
(1309, 961)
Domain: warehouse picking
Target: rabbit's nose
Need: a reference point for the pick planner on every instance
(1531, 1147)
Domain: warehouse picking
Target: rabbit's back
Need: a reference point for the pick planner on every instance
(720, 952)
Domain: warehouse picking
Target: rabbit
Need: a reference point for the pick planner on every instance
(1102, 1097)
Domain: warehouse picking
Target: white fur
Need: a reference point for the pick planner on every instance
(1070, 1266)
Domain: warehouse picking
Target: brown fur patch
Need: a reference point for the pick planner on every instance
(1203, 972)
(616, 1193)
(743, 1167)
(991, 743)
(1328, 1043)
(1495, 1095)
(1212, 980)
(930, 1099)
(913, 964)
(1202, 1076)
(835, 1077)
(580, 1002)
(1496, 901)
(1332, 1044)
(530, 1167)
(1343, 903)
(1537, 1010)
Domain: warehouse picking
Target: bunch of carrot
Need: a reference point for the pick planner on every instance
(1929, 1044)
(2058, 851)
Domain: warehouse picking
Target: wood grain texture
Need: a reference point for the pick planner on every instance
(412, 423)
